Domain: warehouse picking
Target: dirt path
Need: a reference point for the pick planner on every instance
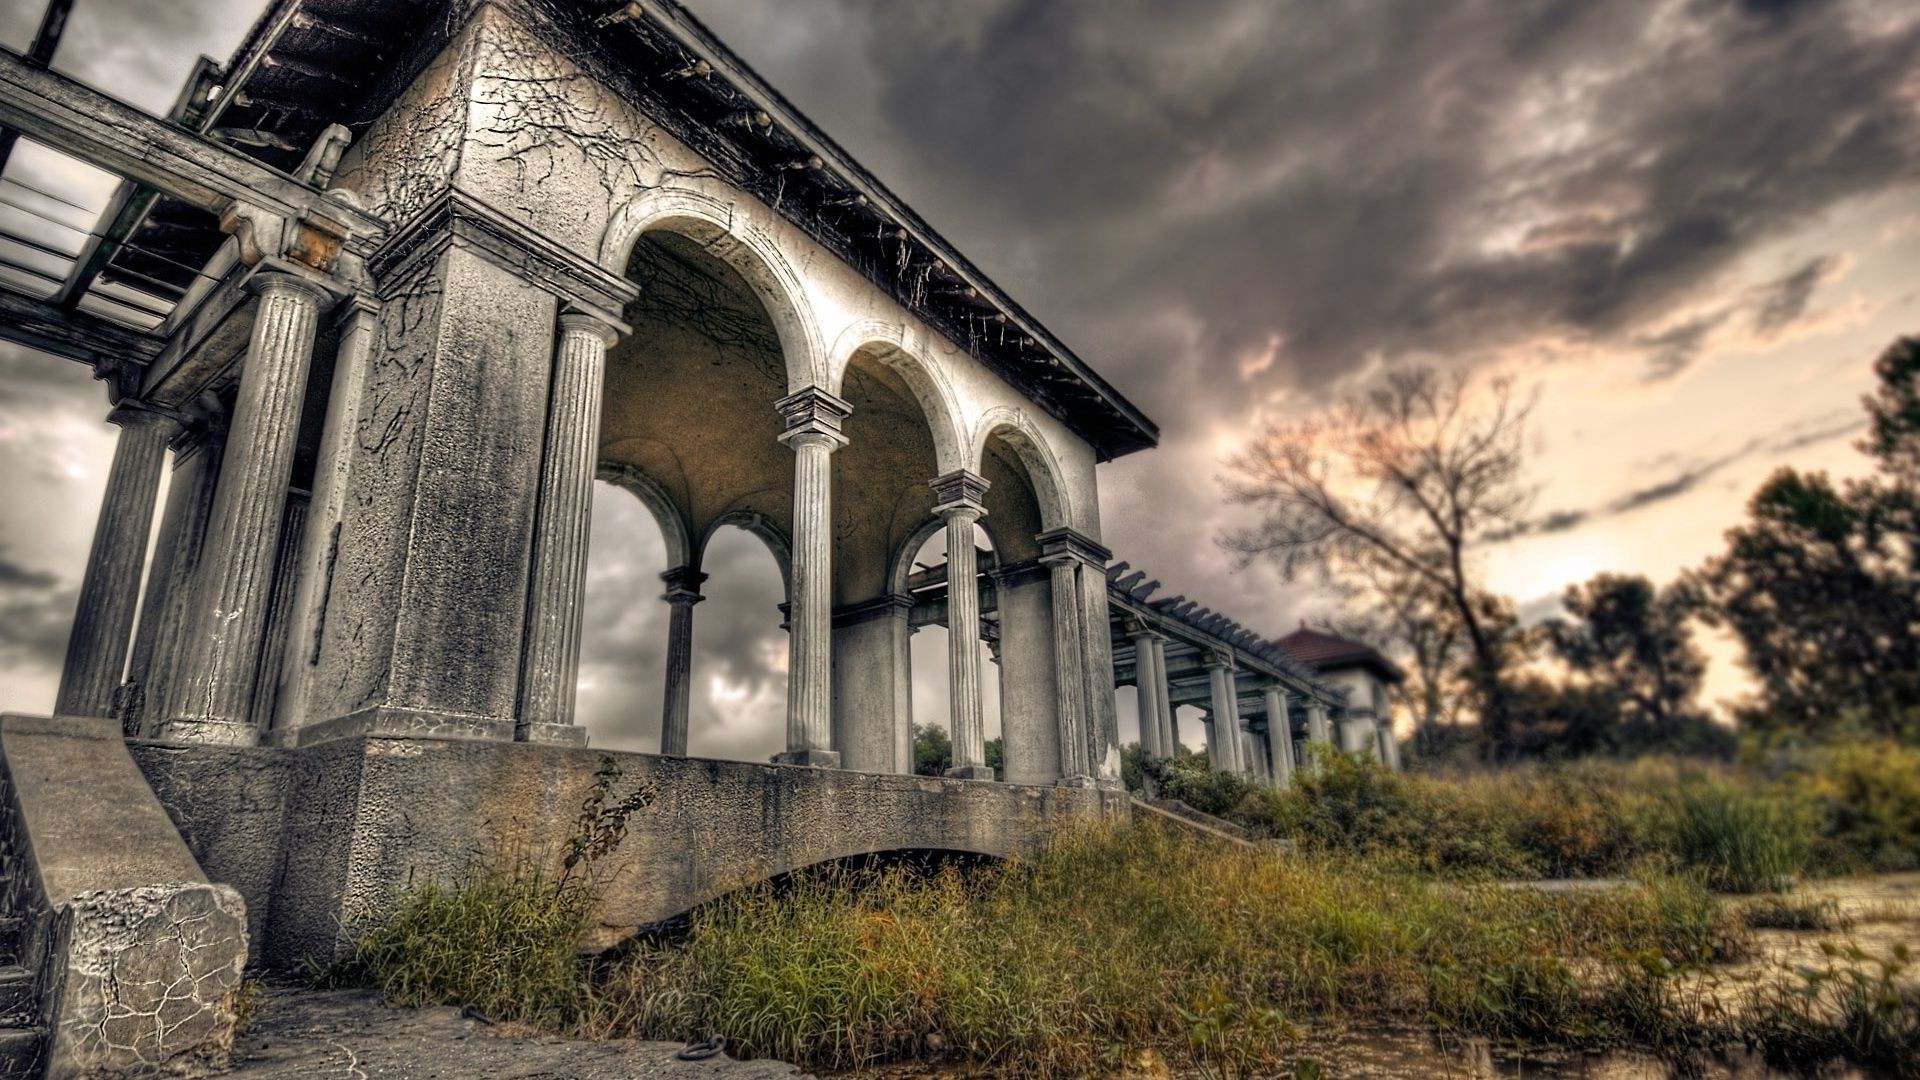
(348, 1034)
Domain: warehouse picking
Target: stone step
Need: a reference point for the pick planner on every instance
(17, 993)
(20, 1051)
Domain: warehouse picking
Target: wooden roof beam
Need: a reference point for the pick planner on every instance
(104, 131)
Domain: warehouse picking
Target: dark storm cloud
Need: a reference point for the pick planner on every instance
(1326, 172)
(13, 576)
(36, 610)
(1688, 477)
(1672, 351)
(1784, 301)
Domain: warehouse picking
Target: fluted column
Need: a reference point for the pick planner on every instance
(683, 591)
(1063, 579)
(1318, 733)
(357, 317)
(813, 419)
(110, 590)
(550, 669)
(1224, 743)
(159, 644)
(957, 500)
(212, 701)
(1279, 738)
(1146, 694)
(1163, 693)
(1099, 728)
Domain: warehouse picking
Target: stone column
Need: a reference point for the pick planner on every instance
(1100, 736)
(157, 646)
(1029, 686)
(1063, 579)
(1146, 694)
(957, 500)
(551, 665)
(1223, 742)
(1103, 722)
(358, 317)
(683, 591)
(110, 590)
(1163, 709)
(213, 700)
(813, 419)
(1318, 733)
(1279, 738)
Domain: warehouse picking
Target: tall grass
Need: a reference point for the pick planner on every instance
(1119, 942)
(1116, 940)
(1745, 828)
(1741, 841)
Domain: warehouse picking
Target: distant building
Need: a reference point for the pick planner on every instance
(1368, 678)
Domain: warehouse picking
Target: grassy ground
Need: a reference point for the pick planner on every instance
(1123, 941)
(1744, 827)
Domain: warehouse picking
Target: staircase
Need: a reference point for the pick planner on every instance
(22, 1039)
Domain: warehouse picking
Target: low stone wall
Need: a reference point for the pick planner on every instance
(137, 956)
(323, 839)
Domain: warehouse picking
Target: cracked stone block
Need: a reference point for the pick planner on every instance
(144, 980)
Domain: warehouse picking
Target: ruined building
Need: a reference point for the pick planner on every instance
(385, 294)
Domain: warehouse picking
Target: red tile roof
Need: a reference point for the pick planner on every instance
(1324, 650)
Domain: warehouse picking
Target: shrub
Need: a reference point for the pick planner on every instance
(1866, 797)
(1740, 840)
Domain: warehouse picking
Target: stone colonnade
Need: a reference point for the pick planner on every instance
(238, 593)
(1262, 748)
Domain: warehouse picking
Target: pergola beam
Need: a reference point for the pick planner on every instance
(76, 335)
(104, 131)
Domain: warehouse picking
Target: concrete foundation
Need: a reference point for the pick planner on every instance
(322, 840)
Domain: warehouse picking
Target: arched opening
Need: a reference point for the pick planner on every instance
(690, 429)
(1020, 505)
(738, 705)
(1190, 729)
(882, 511)
(932, 656)
(623, 638)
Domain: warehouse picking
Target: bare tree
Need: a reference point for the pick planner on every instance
(1393, 489)
(1407, 617)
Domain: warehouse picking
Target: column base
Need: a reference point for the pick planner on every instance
(553, 734)
(970, 772)
(1082, 782)
(813, 759)
(208, 731)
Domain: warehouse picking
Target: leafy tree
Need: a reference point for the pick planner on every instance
(1401, 483)
(932, 750)
(1822, 583)
(1631, 642)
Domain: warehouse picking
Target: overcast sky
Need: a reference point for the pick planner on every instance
(1690, 223)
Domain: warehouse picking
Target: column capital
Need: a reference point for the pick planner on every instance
(683, 585)
(813, 417)
(1063, 543)
(130, 414)
(1218, 660)
(268, 282)
(581, 320)
(959, 490)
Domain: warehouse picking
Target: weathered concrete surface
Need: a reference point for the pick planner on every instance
(324, 838)
(137, 956)
(300, 1034)
(143, 978)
